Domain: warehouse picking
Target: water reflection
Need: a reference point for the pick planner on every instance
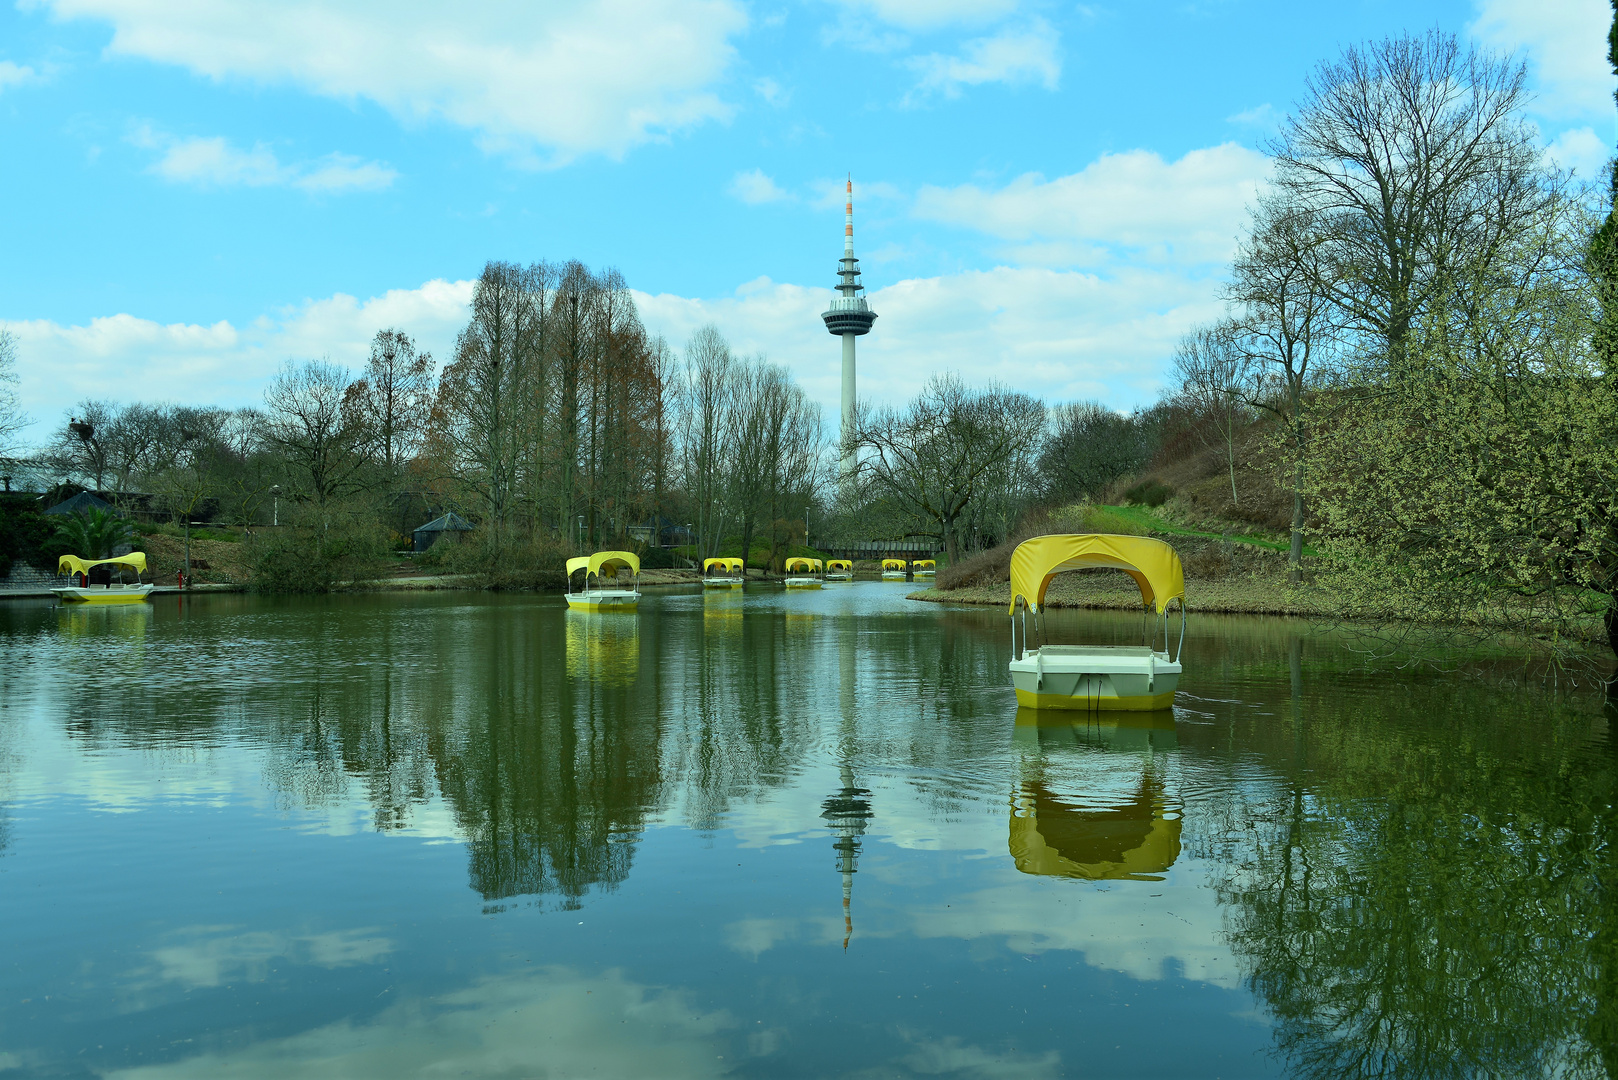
(1093, 798)
(1318, 871)
(603, 646)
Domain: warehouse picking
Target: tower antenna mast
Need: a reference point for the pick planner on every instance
(849, 317)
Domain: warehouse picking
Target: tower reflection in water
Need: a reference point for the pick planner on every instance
(1094, 800)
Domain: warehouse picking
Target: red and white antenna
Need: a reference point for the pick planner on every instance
(848, 219)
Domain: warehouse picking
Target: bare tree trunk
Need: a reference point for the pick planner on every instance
(1295, 560)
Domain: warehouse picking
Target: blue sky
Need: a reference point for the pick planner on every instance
(1045, 193)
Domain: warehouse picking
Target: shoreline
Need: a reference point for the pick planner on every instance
(1236, 597)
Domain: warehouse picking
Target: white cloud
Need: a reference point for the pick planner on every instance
(1016, 57)
(15, 74)
(1263, 117)
(598, 76)
(1186, 210)
(133, 358)
(1056, 334)
(214, 162)
(1059, 334)
(772, 93)
(928, 14)
(548, 1022)
(1566, 43)
(1581, 150)
(754, 187)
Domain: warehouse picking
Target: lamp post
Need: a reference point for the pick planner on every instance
(275, 505)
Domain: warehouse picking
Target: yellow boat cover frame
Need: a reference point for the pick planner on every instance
(72, 564)
(839, 564)
(929, 563)
(798, 562)
(611, 560)
(893, 564)
(575, 565)
(723, 564)
(1153, 564)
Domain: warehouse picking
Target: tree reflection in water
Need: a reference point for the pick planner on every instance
(1412, 901)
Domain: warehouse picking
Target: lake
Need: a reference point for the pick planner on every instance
(779, 835)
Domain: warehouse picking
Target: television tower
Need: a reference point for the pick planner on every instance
(849, 317)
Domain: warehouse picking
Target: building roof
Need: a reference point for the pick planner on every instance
(450, 522)
(79, 503)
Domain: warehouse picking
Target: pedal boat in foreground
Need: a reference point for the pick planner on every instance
(839, 570)
(723, 573)
(600, 592)
(924, 568)
(803, 573)
(1088, 678)
(893, 569)
(103, 594)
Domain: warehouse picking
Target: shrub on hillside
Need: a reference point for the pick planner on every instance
(312, 558)
(1148, 493)
(26, 535)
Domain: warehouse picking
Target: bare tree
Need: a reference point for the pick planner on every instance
(1088, 447)
(933, 460)
(1216, 381)
(392, 398)
(1287, 326)
(12, 417)
(1411, 158)
(322, 443)
(708, 439)
(484, 418)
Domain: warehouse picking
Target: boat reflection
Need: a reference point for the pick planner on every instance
(1098, 816)
(104, 620)
(603, 646)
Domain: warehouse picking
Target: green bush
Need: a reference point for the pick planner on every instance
(26, 535)
(311, 558)
(1148, 493)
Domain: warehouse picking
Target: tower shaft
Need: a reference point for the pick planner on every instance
(848, 400)
(848, 318)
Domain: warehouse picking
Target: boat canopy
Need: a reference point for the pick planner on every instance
(1153, 564)
(723, 564)
(612, 560)
(72, 564)
(800, 563)
(893, 564)
(577, 564)
(925, 564)
(839, 564)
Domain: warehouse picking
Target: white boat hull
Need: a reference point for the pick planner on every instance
(604, 600)
(839, 577)
(803, 583)
(1091, 678)
(893, 575)
(721, 583)
(103, 594)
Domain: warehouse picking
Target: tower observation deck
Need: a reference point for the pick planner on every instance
(849, 317)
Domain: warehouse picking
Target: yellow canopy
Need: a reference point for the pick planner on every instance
(723, 564)
(1153, 564)
(800, 563)
(72, 564)
(575, 565)
(893, 564)
(929, 563)
(839, 564)
(612, 560)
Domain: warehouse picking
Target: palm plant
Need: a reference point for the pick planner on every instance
(94, 533)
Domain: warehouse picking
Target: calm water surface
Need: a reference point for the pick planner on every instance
(777, 835)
